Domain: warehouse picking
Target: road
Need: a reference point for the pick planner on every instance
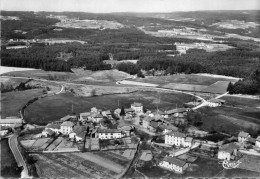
(13, 143)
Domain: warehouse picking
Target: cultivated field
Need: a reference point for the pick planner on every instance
(183, 79)
(53, 108)
(185, 87)
(89, 164)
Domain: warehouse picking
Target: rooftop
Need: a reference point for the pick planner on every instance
(53, 126)
(178, 110)
(258, 139)
(175, 161)
(229, 148)
(108, 131)
(137, 104)
(177, 134)
(67, 123)
(188, 139)
(243, 134)
(65, 118)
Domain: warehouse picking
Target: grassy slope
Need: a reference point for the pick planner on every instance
(181, 78)
(11, 102)
(53, 108)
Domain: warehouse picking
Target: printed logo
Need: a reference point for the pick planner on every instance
(230, 165)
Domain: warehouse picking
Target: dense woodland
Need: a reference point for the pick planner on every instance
(124, 44)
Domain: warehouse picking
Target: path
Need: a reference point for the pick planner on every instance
(13, 143)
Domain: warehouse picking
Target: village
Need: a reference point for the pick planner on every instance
(174, 144)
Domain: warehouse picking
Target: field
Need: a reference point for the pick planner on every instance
(105, 77)
(185, 87)
(236, 115)
(90, 165)
(4, 69)
(8, 164)
(53, 108)
(12, 102)
(183, 79)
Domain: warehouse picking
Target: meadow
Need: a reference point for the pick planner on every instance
(53, 108)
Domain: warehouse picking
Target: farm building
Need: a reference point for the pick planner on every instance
(216, 102)
(138, 107)
(146, 155)
(78, 133)
(177, 112)
(243, 136)
(66, 127)
(83, 117)
(68, 117)
(170, 128)
(109, 134)
(228, 151)
(11, 121)
(174, 164)
(146, 122)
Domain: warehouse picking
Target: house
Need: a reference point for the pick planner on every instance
(215, 102)
(188, 141)
(48, 132)
(95, 117)
(66, 127)
(173, 164)
(257, 142)
(83, 117)
(170, 128)
(126, 130)
(138, 107)
(11, 121)
(107, 113)
(228, 151)
(4, 130)
(109, 134)
(177, 112)
(175, 138)
(54, 127)
(78, 133)
(154, 125)
(146, 155)
(243, 136)
(146, 122)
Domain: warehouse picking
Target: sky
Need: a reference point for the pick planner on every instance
(105, 6)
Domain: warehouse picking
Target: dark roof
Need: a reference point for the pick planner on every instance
(178, 110)
(53, 126)
(129, 110)
(177, 134)
(137, 104)
(171, 127)
(49, 131)
(229, 148)
(148, 118)
(175, 161)
(108, 131)
(65, 118)
(154, 124)
(68, 124)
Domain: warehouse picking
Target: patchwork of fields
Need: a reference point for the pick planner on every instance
(89, 164)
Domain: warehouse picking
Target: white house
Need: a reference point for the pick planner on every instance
(66, 127)
(173, 164)
(109, 134)
(228, 151)
(175, 138)
(215, 102)
(243, 136)
(138, 107)
(54, 127)
(257, 142)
